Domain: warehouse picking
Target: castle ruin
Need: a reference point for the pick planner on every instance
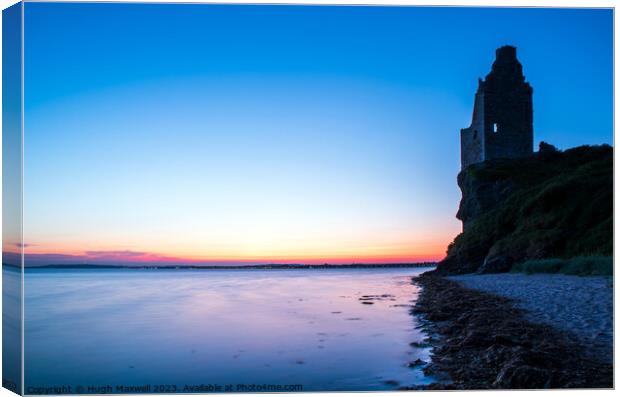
(501, 124)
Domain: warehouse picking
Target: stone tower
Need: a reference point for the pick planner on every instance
(501, 124)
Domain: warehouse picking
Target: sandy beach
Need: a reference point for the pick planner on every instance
(483, 338)
(582, 306)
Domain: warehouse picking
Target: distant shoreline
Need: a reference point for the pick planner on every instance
(290, 266)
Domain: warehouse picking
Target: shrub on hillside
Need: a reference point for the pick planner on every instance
(578, 266)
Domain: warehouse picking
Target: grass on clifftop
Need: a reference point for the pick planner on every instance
(579, 266)
(560, 206)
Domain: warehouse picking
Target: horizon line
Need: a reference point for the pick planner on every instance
(221, 266)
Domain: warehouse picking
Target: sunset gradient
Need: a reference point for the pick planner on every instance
(210, 134)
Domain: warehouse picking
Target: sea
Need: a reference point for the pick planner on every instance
(100, 331)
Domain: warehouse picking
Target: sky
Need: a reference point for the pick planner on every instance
(11, 133)
(256, 134)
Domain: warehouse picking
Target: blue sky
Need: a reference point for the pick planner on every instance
(253, 133)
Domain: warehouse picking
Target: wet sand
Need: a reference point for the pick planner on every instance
(582, 306)
(485, 341)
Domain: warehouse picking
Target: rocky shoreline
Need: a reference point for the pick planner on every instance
(482, 341)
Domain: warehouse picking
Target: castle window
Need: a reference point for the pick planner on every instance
(475, 134)
(495, 127)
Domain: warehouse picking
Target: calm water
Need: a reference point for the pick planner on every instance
(184, 327)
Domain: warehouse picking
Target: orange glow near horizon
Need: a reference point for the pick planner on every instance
(432, 249)
(147, 257)
(251, 245)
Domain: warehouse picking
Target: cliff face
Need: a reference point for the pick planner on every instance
(480, 195)
(549, 205)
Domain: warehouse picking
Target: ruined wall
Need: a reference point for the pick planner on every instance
(507, 108)
(502, 121)
(473, 138)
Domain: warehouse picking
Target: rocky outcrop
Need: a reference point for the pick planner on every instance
(479, 195)
(482, 341)
(551, 204)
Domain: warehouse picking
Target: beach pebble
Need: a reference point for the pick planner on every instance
(582, 306)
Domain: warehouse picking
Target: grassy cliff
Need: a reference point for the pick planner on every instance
(550, 205)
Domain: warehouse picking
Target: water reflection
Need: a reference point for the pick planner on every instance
(323, 329)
